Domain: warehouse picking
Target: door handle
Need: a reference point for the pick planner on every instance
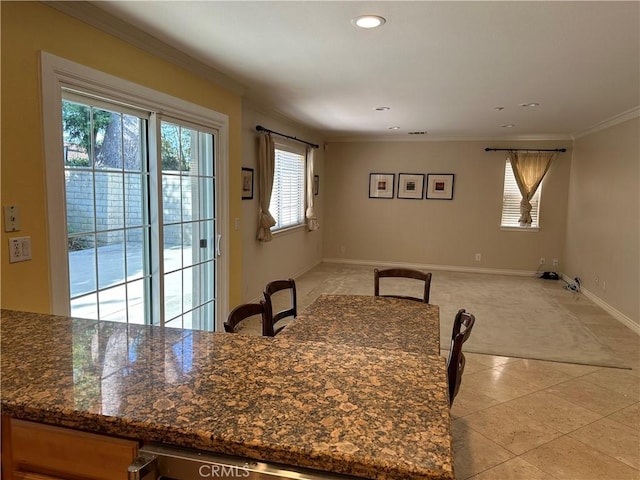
(218, 239)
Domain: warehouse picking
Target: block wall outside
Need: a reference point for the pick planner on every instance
(116, 206)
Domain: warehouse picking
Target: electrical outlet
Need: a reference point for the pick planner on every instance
(542, 261)
(19, 249)
(555, 262)
(478, 257)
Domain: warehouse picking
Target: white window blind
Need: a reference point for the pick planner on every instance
(511, 201)
(287, 196)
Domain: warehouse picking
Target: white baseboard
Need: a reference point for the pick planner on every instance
(307, 268)
(615, 313)
(424, 266)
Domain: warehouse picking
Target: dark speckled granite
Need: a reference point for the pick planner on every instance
(359, 411)
(367, 321)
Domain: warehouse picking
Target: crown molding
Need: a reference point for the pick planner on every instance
(444, 138)
(98, 18)
(610, 122)
(268, 110)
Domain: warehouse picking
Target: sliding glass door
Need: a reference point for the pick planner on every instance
(140, 195)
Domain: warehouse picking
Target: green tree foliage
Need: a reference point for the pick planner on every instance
(95, 135)
(176, 147)
(76, 125)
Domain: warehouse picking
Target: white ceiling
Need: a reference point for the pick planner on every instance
(442, 67)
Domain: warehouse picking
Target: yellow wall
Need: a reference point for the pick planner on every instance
(27, 29)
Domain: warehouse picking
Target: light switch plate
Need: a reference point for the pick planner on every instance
(11, 218)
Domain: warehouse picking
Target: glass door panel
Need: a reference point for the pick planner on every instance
(107, 211)
(188, 226)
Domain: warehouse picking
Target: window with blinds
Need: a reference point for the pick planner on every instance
(288, 194)
(511, 202)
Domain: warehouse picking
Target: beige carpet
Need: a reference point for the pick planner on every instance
(523, 317)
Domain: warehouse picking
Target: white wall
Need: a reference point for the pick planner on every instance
(290, 253)
(603, 228)
(438, 232)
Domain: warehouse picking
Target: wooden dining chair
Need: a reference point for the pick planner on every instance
(462, 326)
(244, 311)
(402, 273)
(272, 327)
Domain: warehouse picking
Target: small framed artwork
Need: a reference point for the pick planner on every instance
(440, 186)
(410, 185)
(381, 185)
(316, 184)
(247, 183)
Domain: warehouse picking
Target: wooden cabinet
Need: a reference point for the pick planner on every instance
(34, 451)
(33, 476)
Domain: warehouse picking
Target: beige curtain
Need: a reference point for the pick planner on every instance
(267, 164)
(312, 219)
(529, 168)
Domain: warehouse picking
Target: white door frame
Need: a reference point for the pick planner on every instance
(58, 73)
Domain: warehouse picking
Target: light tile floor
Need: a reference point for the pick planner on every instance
(519, 419)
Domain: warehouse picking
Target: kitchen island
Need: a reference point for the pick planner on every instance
(368, 321)
(358, 411)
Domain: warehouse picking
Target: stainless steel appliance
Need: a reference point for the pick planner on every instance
(162, 462)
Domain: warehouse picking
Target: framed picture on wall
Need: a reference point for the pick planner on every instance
(247, 183)
(440, 186)
(381, 185)
(410, 185)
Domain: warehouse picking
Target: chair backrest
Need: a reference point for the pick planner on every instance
(271, 328)
(462, 326)
(244, 311)
(402, 273)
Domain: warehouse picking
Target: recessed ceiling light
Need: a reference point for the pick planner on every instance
(394, 128)
(532, 104)
(368, 21)
(508, 125)
(383, 109)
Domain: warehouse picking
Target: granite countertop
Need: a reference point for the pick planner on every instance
(368, 321)
(353, 410)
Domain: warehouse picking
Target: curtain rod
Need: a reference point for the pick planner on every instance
(260, 128)
(525, 149)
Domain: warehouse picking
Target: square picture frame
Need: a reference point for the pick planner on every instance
(247, 183)
(381, 185)
(316, 184)
(440, 186)
(411, 185)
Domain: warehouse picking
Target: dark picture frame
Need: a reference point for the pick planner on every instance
(247, 183)
(440, 186)
(316, 184)
(411, 186)
(381, 185)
